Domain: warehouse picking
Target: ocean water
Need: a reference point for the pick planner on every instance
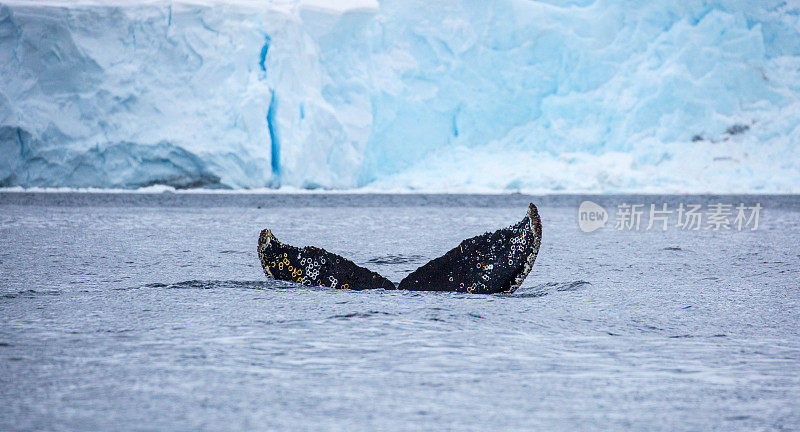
(151, 312)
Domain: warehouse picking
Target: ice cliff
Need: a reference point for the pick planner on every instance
(605, 96)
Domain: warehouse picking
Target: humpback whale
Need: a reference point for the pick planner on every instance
(492, 262)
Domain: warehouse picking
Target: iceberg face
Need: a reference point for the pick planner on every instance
(601, 96)
(118, 165)
(145, 79)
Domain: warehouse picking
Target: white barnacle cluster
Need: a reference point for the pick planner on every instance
(488, 268)
(537, 241)
(484, 265)
(517, 245)
(311, 267)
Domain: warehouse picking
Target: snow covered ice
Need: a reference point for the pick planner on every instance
(602, 96)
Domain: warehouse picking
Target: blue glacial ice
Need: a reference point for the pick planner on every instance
(602, 96)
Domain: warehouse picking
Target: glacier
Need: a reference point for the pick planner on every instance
(463, 96)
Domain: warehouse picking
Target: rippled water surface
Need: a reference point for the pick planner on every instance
(131, 312)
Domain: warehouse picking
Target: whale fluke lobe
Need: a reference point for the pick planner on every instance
(489, 263)
(313, 266)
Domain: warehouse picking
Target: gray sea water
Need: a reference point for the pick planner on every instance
(151, 312)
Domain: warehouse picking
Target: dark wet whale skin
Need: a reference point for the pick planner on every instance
(313, 266)
(489, 263)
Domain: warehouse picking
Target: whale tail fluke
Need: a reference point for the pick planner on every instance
(312, 266)
(489, 263)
